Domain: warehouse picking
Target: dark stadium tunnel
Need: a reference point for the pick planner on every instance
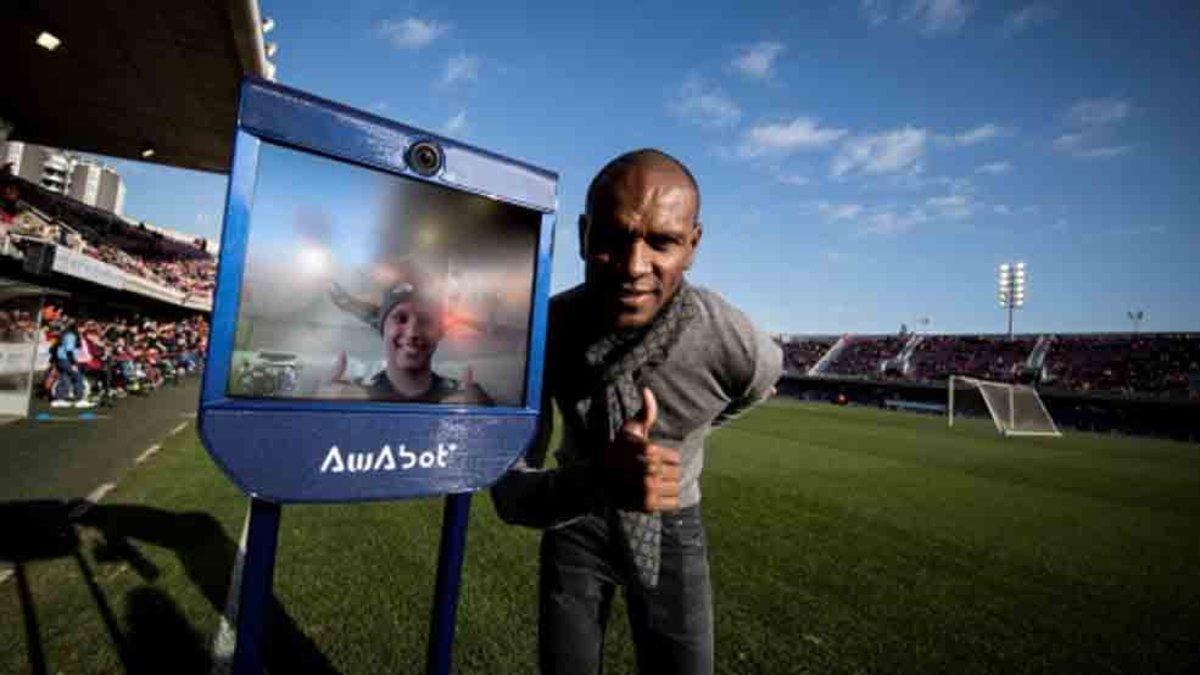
(157, 637)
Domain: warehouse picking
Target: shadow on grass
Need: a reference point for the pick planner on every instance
(157, 636)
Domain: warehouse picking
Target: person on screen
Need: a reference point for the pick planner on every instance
(411, 325)
(642, 366)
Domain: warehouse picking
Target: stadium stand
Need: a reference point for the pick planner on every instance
(134, 318)
(78, 240)
(126, 352)
(989, 357)
(802, 353)
(1155, 365)
(865, 356)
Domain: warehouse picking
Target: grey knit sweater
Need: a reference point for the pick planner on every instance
(721, 366)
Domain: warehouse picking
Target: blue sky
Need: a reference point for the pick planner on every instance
(863, 163)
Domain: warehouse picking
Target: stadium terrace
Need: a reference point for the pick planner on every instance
(1089, 379)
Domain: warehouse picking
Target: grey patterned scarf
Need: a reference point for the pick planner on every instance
(619, 361)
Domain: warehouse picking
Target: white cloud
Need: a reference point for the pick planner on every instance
(994, 168)
(979, 134)
(1028, 17)
(1069, 142)
(792, 179)
(888, 152)
(1083, 144)
(802, 133)
(701, 104)
(933, 17)
(757, 61)
(1135, 231)
(1099, 112)
(456, 124)
(1094, 121)
(874, 11)
(1002, 209)
(1104, 152)
(836, 212)
(930, 17)
(412, 33)
(950, 206)
(888, 222)
(461, 68)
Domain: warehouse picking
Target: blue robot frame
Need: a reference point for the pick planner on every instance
(274, 449)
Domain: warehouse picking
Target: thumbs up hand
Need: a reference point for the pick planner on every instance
(642, 476)
(339, 368)
(339, 385)
(471, 392)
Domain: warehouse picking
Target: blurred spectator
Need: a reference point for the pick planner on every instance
(67, 352)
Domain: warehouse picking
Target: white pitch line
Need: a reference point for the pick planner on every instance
(178, 428)
(146, 455)
(5, 575)
(225, 641)
(96, 495)
(91, 500)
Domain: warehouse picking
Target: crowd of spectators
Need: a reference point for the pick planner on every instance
(1162, 365)
(801, 354)
(988, 357)
(865, 355)
(194, 274)
(1140, 364)
(116, 355)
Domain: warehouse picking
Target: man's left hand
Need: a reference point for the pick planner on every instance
(642, 475)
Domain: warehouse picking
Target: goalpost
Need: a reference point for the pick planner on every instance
(1016, 409)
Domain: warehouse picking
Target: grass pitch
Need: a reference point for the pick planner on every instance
(841, 540)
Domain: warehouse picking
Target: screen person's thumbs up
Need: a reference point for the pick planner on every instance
(339, 368)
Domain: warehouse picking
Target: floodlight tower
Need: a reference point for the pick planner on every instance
(1136, 319)
(1011, 290)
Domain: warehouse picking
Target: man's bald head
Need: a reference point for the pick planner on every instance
(600, 189)
(638, 235)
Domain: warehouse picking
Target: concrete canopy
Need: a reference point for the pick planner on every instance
(131, 75)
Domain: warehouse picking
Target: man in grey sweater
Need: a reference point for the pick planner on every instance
(642, 366)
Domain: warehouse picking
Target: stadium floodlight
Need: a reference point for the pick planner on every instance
(1010, 282)
(1136, 319)
(147, 152)
(48, 41)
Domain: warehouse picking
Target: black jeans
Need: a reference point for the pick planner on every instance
(672, 624)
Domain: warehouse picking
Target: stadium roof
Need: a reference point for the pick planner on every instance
(16, 290)
(130, 75)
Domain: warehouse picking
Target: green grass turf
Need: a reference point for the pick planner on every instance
(842, 540)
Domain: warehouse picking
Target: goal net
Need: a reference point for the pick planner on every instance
(1016, 409)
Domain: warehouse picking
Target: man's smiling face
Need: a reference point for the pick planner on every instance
(638, 237)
